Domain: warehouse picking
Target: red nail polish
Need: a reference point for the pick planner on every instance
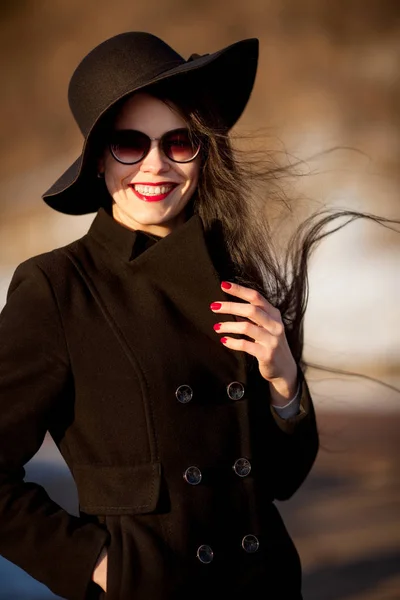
(224, 340)
(215, 305)
(217, 326)
(226, 285)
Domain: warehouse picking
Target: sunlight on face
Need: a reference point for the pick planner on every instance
(176, 182)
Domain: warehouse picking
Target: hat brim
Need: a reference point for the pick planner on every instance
(230, 74)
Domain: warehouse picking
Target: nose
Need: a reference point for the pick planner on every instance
(155, 161)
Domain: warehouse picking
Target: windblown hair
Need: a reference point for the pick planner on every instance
(242, 190)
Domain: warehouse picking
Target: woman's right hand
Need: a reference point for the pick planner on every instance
(99, 575)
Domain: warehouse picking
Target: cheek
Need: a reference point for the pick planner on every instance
(117, 176)
(193, 175)
(111, 183)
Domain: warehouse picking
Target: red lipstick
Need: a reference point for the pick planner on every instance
(152, 197)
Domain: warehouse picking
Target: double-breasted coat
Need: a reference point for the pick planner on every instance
(177, 455)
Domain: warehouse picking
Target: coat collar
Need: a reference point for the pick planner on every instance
(124, 242)
(128, 244)
(186, 266)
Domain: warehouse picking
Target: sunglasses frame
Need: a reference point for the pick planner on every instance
(160, 146)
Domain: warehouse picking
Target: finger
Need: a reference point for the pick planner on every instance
(241, 345)
(250, 330)
(250, 295)
(251, 312)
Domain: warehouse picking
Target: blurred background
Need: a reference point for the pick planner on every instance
(328, 77)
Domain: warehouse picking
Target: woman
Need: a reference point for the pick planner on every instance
(152, 352)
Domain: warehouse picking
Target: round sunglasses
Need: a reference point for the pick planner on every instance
(129, 146)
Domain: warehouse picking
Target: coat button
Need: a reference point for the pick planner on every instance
(205, 554)
(250, 544)
(242, 467)
(235, 390)
(192, 475)
(184, 394)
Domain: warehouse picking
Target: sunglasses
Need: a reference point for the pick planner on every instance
(129, 146)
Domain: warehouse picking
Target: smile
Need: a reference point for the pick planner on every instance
(152, 192)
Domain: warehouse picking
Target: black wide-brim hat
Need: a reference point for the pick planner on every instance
(130, 62)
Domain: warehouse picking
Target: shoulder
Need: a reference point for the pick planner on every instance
(44, 270)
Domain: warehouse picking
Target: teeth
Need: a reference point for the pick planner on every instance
(150, 190)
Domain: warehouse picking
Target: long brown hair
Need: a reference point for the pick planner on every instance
(242, 188)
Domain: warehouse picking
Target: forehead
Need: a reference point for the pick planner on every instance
(149, 115)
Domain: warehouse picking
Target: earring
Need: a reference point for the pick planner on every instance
(100, 175)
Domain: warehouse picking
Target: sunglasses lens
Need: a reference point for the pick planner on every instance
(180, 146)
(129, 146)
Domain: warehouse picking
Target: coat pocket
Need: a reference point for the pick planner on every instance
(110, 492)
(118, 490)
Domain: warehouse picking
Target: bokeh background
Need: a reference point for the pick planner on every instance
(328, 77)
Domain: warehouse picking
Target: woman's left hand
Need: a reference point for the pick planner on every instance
(262, 322)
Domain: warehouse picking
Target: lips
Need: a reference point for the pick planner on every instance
(153, 192)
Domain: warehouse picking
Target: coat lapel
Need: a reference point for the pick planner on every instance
(180, 266)
(177, 272)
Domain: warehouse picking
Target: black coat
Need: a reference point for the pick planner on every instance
(96, 340)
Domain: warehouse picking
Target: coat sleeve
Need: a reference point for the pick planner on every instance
(294, 445)
(53, 546)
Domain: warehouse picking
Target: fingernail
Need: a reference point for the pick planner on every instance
(215, 305)
(224, 340)
(217, 326)
(226, 285)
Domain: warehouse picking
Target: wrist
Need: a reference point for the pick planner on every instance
(283, 391)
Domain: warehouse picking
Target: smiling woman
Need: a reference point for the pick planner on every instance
(179, 440)
(150, 182)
